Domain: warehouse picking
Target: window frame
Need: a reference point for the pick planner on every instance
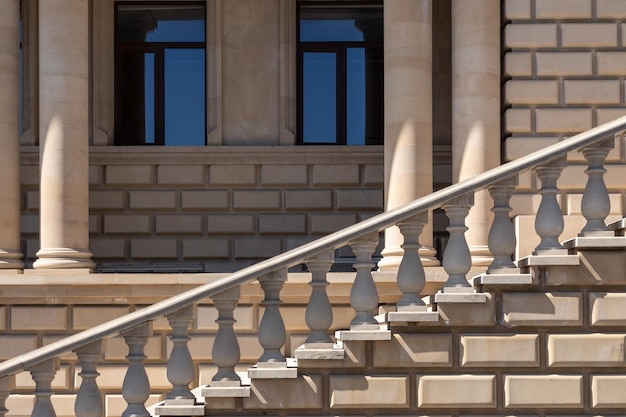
(340, 48)
(158, 49)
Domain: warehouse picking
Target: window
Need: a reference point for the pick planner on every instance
(160, 74)
(340, 73)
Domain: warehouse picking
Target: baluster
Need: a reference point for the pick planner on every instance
(7, 384)
(226, 351)
(364, 295)
(180, 368)
(411, 275)
(457, 260)
(596, 205)
(136, 386)
(89, 400)
(319, 313)
(501, 239)
(43, 373)
(549, 220)
(272, 334)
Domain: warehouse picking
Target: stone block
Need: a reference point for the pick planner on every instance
(374, 175)
(541, 309)
(244, 316)
(95, 175)
(543, 391)
(153, 248)
(517, 9)
(94, 223)
(308, 199)
(610, 9)
(154, 200)
(518, 64)
(589, 35)
(228, 224)
(213, 248)
(530, 35)
(12, 345)
(528, 92)
(607, 309)
(179, 223)
(456, 391)
(564, 64)
(107, 200)
(472, 314)
(284, 174)
(607, 391)
(304, 392)
(518, 121)
(256, 248)
(360, 200)
(39, 318)
(517, 146)
(256, 200)
(570, 120)
(112, 376)
(61, 381)
(290, 224)
(232, 174)
(411, 349)
(354, 356)
(116, 349)
(29, 223)
(591, 92)
(322, 224)
(501, 350)
(574, 202)
(86, 317)
(129, 175)
(127, 223)
(580, 350)
(562, 9)
(596, 267)
(3, 317)
(181, 174)
(31, 200)
(607, 115)
(368, 391)
(29, 174)
(110, 249)
(204, 200)
(325, 174)
(611, 63)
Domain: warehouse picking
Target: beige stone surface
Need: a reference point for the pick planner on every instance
(563, 9)
(517, 9)
(304, 392)
(179, 224)
(204, 199)
(596, 349)
(408, 350)
(539, 92)
(155, 200)
(607, 391)
(547, 309)
(544, 391)
(591, 92)
(564, 63)
(114, 404)
(84, 317)
(589, 35)
(526, 35)
(232, 174)
(486, 350)
(517, 120)
(62, 380)
(256, 200)
(607, 309)
(364, 391)
(309, 199)
(346, 174)
(39, 318)
(610, 9)
(518, 64)
(245, 315)
(452, 391)
(176, 174)
(469, 314)
(284, 174)
(129, 175)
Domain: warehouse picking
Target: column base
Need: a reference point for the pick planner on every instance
(63, 258)
(11, 259)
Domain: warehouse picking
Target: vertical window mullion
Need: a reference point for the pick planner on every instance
(159, 88)
(342, 100)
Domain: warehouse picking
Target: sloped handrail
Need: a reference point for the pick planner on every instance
(297, 255)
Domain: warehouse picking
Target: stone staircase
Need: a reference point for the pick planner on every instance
(540, 336)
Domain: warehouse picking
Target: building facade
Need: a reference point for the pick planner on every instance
(146, 139)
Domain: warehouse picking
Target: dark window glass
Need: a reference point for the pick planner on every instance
(340, 73)
(160, 75)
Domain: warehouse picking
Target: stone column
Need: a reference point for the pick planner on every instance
(476, 108)
(10, 255)
(63, 134)
(408, 117)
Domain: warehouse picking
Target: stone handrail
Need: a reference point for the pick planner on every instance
(359, 236)
(331, 241)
